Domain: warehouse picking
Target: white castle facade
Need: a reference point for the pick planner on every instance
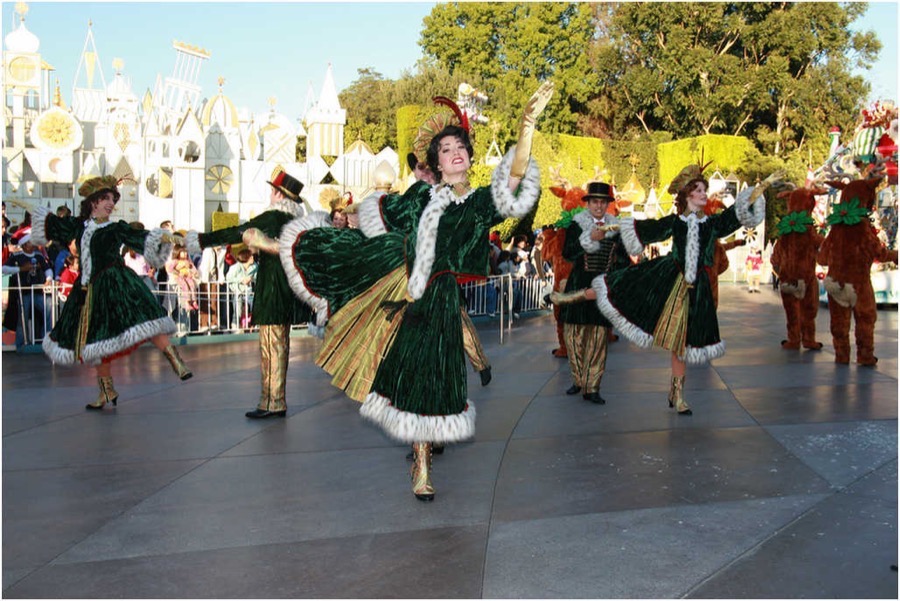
(180, 157)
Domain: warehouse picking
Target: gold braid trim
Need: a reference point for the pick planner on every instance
(84, 323)
(671, 329)
(358, 336)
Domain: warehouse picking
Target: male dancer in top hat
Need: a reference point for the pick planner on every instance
(275, 307)
(593, 247)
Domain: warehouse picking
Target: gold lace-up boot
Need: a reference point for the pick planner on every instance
(107, 394)
(420, 472)
(177, 362)
(676, 396)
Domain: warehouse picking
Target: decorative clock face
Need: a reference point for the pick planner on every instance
(56, 130)
(21, 69)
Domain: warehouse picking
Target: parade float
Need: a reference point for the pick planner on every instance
(874, 145)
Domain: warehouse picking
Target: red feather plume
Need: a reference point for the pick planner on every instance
(463, 119)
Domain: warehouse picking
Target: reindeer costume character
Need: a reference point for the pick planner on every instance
(794, 260)
(848, 251)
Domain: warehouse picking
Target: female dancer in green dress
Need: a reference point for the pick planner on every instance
(668, 301)
(110, 311)
(390, 288)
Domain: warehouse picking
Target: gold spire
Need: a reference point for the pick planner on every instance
(221, 82)
(118, 64)
(57, 97)
(21, 10)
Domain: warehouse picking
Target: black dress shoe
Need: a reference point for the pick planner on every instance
(595, 397)
(485, 376)
(263, 414)
(574, 389)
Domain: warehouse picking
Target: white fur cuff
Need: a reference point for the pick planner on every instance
(507, 203)
(192, 243)
(156, 251)
(749, 215)
(39, 224)
(630, 238)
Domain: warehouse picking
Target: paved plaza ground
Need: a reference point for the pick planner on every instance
(782, 484)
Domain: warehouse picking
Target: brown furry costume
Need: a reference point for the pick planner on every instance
(794, 260)
(849, 251)
(554, 240)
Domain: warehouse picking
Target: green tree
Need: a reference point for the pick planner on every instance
(778, 72)
(370, 110)
(510, 48)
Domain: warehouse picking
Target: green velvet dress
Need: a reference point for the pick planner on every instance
(110, 311)
(419, 391)
(273, 301)
(640, 300)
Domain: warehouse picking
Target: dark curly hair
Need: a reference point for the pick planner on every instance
(681, 197)
(432, 154)
(87, 205)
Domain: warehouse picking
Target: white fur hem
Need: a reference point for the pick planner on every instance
(507, 203)
(289, 234)
(156, 252)
(192, 243)
(39, 225)
(411, 427)
(620, 323)
(96, 351)
(749, 215)
(630, 238)
(369, 211)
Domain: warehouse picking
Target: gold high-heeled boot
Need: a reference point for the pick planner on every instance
(568, 298)
(420, 472)
(676, 396)
(177, 363)
(107, 394)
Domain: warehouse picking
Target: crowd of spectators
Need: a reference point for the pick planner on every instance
(197, 291)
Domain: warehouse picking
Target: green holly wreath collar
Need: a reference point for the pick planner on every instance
(847, 213)
(566, 217)
(796, 222)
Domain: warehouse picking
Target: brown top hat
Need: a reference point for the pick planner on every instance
(600, 191)
(287, 185)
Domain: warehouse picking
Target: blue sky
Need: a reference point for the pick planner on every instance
(266, 49)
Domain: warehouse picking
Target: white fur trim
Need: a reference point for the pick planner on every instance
(39, 225)
(369, 211)
(843, 294)
(749, 215)
(692, 355)
(93, 353)
(286, 241)
(630, 238)
(87, 265)
(441, 198)
(192, 243)
(692, 246)
(507, 203)
(622, 325)
(586, 222)
(411, 427)
(157, 252)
